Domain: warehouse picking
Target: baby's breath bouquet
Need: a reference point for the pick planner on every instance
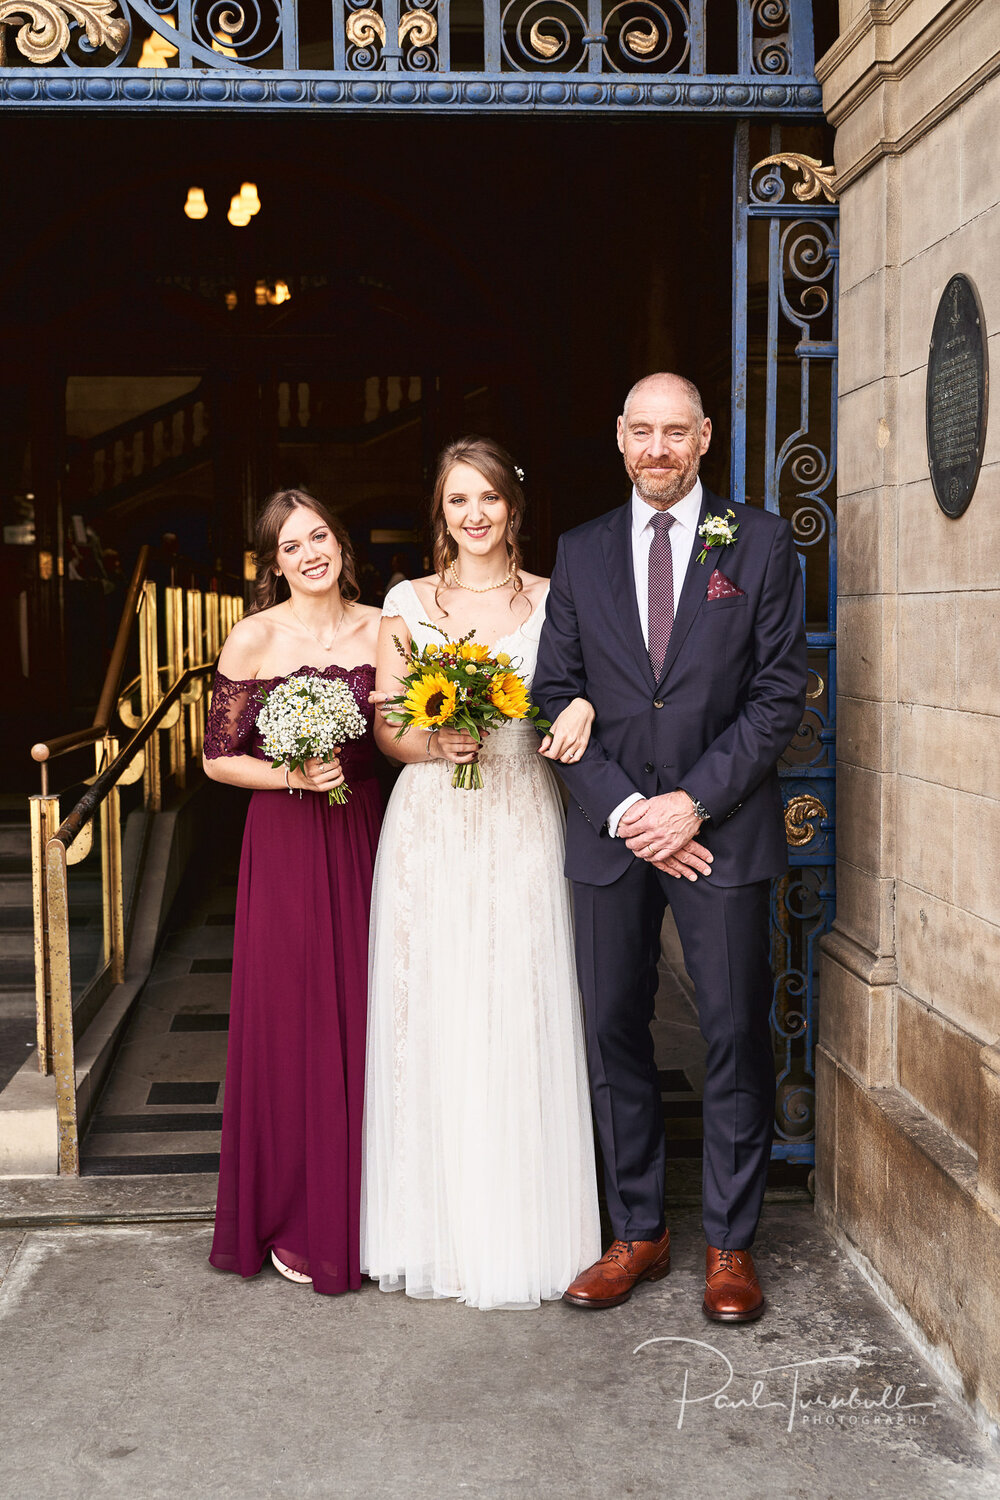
(306, 717)
(459, 685)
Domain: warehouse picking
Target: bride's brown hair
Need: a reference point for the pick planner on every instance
(496, 465)
(270, 587)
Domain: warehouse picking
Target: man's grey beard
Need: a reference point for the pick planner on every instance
(680, 483)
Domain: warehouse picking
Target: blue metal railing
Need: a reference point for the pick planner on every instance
(397, 54)
(784, 423)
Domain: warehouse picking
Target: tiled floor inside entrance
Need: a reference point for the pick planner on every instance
(161, 1111)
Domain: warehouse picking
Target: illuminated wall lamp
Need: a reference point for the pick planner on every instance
(249, 198)
(195, 207)
(238, 213)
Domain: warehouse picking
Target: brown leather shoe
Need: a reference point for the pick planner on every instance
(618, 1272)
(732, 1291)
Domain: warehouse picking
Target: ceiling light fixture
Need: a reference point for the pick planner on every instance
(242, 205)
(238, 213)
(248, 195)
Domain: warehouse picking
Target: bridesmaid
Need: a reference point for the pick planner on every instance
(290, 1172)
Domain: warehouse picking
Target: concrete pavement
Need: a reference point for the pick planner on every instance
(129, 1367)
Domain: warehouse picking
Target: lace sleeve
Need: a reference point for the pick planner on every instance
(392, 608)
(231, 718)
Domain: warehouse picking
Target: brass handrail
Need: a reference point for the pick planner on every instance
(60, 1036)
(173, 700)
(76, 820)
(47, 750)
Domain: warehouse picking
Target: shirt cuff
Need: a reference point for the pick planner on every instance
(614, 818)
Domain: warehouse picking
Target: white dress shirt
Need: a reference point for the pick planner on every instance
(683, 535)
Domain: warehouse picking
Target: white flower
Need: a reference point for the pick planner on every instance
(718, 531)
(304, 717)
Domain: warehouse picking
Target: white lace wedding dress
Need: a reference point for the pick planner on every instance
(478, 1177)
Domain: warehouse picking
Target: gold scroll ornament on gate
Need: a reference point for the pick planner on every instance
(46, 29)
(363, 26)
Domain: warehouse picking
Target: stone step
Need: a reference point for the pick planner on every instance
(13, 917)
(17, 957)
(15, 897)
(15, 841)
(17, 1003)
(15, 890)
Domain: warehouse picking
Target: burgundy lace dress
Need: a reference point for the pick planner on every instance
(290, 1172)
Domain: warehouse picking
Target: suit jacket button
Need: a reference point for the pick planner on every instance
(649, 767)
(657, 702)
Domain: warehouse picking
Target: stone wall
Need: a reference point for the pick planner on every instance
(909, 1101)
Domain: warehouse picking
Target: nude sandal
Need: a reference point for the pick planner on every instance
(299, 1277)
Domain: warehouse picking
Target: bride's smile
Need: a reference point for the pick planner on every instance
(475, 514)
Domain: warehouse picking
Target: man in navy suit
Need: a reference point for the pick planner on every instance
(694, 657)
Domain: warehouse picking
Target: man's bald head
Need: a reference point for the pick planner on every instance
(663, 433)
(663, 381)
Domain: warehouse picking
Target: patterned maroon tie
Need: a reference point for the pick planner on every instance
(661, 591)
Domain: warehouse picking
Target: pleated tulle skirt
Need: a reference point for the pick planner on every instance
(290, 1170)
(478, 1175)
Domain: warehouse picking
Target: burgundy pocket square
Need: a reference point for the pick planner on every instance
(721, 587)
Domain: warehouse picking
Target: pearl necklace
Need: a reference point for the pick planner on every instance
(471, 588)
(315, 637)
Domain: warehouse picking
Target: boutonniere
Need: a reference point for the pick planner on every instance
(717, 531)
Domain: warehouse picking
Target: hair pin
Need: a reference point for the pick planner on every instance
(520, 473)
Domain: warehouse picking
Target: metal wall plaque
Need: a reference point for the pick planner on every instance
(957, 395)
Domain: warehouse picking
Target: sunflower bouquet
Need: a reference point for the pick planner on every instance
(459, 685)
(305, 717)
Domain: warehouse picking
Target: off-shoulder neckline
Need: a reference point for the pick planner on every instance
(299, 672)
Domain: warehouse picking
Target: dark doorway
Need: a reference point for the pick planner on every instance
(511, 275)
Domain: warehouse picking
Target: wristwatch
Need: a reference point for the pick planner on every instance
(699, 807)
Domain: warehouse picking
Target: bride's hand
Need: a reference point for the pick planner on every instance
(318, 775)
(456, 745)
(570, 734)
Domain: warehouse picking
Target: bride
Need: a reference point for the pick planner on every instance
(478, 1176)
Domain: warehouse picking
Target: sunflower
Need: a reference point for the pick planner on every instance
(430, 700)
(510, 696)
(470, 651)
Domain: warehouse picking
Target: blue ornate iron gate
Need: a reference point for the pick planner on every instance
(784, 456)
(750, 60)
(500, 55)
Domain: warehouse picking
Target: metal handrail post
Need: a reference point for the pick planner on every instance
(63, 1044)
(149, 691)
(174, 620)
(112, 891)
(44, 822)
(212, 642)
(196, 652)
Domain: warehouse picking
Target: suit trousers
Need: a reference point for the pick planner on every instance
(725, 937)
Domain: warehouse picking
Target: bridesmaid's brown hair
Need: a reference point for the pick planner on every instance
(270, 587)
(496, 465)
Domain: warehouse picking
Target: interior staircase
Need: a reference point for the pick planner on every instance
(17, 943)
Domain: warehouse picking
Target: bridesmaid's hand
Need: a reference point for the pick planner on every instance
(456, 745)
(378, 701)
(570, 734)
(318, 775)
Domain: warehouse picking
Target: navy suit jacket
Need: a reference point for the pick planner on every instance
(727, 702)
